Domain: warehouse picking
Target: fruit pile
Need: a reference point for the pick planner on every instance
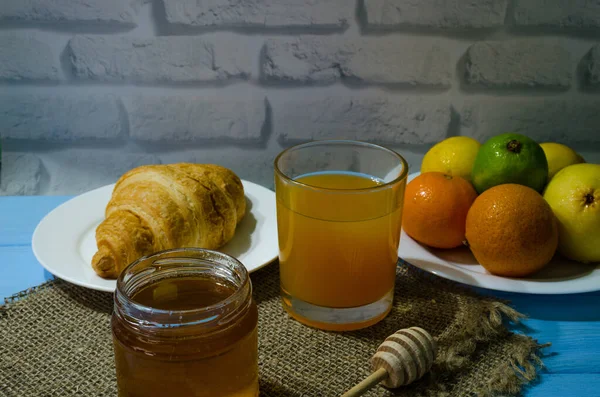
(514, 202)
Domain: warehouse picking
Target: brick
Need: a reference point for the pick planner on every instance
(78, 170)
(558, 120)
(450, 14)
(317, 59)
(593, 67)
(21, 174)
(372, 118)
(519, 63)
(577, 14)
(319, 14)
(252, 164)
(25, 57)
(59, 117)
(159, 59)
(192, 118)
(101, 11)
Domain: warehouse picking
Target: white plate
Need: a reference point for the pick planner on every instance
(560, 276)
(64, 240)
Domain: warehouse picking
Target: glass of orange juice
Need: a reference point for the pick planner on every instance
(339, 214)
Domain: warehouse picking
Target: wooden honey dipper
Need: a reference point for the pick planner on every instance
(402, 358)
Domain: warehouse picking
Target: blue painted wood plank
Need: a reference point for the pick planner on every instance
(569, 307)
(20, 215)
(19, 270)
(563, 385)
(575, 345)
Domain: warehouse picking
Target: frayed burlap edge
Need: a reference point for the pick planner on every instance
(8, 301)
(520, 370)
(523, 365)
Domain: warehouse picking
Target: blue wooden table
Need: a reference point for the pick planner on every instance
(570, 322)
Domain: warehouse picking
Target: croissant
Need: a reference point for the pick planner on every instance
(158, 207)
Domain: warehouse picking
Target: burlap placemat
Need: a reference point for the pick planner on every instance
(55, 340)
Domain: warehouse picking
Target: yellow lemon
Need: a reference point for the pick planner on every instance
(454, 156)
(559, 156)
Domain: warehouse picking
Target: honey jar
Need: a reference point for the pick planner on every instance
(185, 324)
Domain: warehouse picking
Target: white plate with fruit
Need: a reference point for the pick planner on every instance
(508, 224)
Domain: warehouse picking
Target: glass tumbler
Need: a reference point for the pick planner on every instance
(339, 215)
(185, 324)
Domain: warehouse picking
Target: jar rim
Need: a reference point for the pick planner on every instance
(121, 292)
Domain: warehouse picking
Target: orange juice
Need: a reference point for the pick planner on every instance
(338, 238)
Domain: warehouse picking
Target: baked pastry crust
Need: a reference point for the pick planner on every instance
(166, 206)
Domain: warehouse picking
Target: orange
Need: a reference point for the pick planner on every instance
(435, 209)
(512, 230)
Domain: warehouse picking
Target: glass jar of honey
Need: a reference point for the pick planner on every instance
(185, 324)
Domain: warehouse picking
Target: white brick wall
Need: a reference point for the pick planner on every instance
(92, 88)
(519, 63)
(593, 67)
(324, 14)
(389, 60)
(435, 14)
(196, 118)
(374, 118)
(26, 57)
(157, 59)
(115, 12)
(543, 119)
(557, 13)
(60, 117)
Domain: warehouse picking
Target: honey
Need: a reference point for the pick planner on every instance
(189, 330)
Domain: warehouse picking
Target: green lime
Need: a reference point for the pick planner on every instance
(510, 158)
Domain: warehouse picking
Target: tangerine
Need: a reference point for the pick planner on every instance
(435, 209)
(511, 230)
